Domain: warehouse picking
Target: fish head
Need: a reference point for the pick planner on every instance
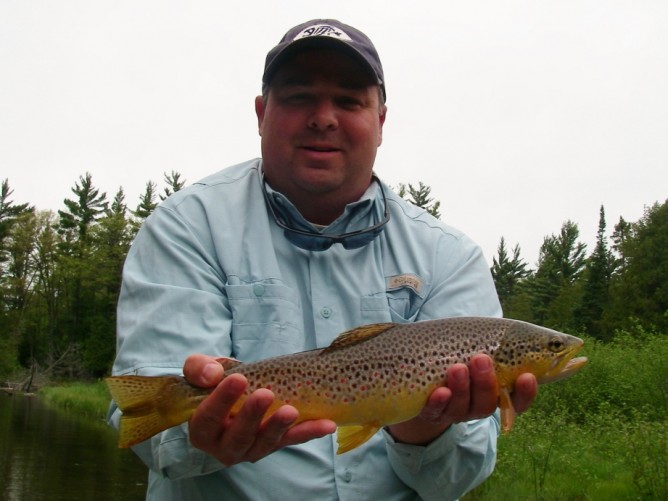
(545, 353)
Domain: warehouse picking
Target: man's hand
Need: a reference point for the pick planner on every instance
(247, 436)
(468, 394)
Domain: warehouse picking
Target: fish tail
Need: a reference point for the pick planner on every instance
(141, 400)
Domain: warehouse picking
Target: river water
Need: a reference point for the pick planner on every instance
(49, 454)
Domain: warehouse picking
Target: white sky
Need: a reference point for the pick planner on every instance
(519, 114)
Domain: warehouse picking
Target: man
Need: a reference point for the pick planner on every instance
(281, 254)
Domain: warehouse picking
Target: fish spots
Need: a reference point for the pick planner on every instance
(406, 361)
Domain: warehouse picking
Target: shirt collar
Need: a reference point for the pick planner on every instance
(356, 215)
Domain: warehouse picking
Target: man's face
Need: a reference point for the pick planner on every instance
(321, 124)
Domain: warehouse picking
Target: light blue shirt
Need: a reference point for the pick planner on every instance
(211, 272)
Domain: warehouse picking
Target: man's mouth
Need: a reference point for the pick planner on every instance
(320, 148)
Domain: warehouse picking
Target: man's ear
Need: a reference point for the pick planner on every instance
(381, 119)
(259, 111)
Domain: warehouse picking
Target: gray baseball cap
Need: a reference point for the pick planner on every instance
(319, 33)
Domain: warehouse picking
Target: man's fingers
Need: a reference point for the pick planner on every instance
(202, 371)
(526, 389)
(459, 383)
(243, 430)
(309, 430)
(485, 387)
(211, 416)
(269, 435)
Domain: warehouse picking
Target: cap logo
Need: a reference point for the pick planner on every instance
(323, 30)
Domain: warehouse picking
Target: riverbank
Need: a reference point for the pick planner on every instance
(603, 434)
(88, 399)
(48, 453)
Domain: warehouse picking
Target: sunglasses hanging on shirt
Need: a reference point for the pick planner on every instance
(313, 240)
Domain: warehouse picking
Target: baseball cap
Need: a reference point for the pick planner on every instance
(319, 33)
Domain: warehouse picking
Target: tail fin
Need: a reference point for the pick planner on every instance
(138, 398)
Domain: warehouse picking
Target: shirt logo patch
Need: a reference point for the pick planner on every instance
(323, 30)
(406, 280)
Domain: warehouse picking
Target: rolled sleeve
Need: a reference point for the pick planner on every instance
(453, 464)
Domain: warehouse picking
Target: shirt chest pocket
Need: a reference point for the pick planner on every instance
(266, 321)
(399, 305)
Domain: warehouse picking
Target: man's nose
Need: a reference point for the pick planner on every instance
(323, 116)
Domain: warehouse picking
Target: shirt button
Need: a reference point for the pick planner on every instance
(258, 290)
(347, 476)
(326, 312)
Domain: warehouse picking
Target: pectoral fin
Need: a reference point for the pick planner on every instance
(228, 363)
(507, 410)
(350, 437)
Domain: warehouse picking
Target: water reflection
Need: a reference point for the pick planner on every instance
(46, 454)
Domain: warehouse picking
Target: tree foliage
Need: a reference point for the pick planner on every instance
(596, 287)
(420, 196)
(508, 272)
(60, 276)
(622, 284)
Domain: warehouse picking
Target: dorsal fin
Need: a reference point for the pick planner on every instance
(228, 363)
(357, 335)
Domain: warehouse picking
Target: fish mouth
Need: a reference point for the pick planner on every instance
(564, 366)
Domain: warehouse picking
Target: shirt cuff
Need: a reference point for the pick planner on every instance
(413, 457)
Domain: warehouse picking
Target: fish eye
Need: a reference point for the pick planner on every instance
(555, 345)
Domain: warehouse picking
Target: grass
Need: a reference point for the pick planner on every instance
(605, 458)
(88, 399)
(600, 435)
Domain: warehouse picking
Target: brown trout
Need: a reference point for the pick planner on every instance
(369, 377)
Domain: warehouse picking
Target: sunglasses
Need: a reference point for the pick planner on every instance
(316, 241)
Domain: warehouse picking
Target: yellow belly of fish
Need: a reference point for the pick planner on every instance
(358, 415)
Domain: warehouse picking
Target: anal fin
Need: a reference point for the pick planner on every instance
(507, 410)
(350, 437)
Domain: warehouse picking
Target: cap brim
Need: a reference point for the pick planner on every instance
(298, 46)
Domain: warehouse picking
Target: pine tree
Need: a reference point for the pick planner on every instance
(174, 184)
(554, 288)
(84, 210)
(421, 197)
(598, 272)
(640, 289)
(9, 212)
(507, 272)
(147, 203)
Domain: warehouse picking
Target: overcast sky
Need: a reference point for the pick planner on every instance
(519, 114)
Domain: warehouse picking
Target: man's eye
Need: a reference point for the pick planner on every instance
(296, 98)
(350, 102)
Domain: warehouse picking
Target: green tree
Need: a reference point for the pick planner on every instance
(640, 290)
(82, 212)
(110, 242)
(43, 332)
(508, 272)
(420, 196)
(174, 184)
(74, 263)
(13, 276)
(598, 273)
(147, 204)
(620, 237)
(9, 212)
(555, 291)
